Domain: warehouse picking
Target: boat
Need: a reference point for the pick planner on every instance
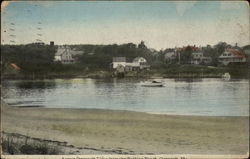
(226, 76)
(153, 83)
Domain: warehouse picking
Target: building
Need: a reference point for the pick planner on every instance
(118, 61)
(246, 51)
(66, 55)
(232, 56)
(198, 58)
(138, 63)
(170, 56)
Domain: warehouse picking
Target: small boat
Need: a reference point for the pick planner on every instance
(226, 76)
(153, 83)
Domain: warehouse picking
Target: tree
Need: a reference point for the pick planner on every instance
(186, 54)
(142, 45)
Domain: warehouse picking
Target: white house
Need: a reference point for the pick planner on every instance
(138, 62)
(199, 58)
(232, 56)
(65, 55)
(170, 56)
(118, 61)
(141, 62)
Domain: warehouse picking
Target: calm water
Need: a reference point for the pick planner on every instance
(213, 97)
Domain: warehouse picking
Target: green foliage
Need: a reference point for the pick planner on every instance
(36, 59)
(101, 55)
(31, 57)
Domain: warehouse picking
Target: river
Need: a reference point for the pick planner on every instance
(205, 97)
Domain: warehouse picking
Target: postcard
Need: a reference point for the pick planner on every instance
(125, 79)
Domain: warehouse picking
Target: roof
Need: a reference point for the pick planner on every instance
(15, 66)
(138, 58)
(62, 50)
(236, 53)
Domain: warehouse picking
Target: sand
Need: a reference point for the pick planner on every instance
(125, 132)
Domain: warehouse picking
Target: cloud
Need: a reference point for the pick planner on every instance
(182, 7)
(228, 5)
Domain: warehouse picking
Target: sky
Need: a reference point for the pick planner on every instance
(161, 24)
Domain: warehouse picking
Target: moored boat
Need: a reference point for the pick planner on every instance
(153, 83)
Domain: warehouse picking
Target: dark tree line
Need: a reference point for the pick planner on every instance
(40, 58)
(100, 56)
(30, 58)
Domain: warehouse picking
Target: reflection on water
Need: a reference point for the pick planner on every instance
(184, 97)
(36, 84)
(188, 80)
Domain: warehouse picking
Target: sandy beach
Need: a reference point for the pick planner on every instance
(125, 132)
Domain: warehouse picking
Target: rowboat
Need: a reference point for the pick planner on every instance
(153, 83)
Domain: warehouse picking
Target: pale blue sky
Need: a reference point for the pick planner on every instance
(160, 24)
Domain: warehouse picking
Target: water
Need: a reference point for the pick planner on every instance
(208, 97)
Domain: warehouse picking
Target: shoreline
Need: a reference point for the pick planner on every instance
(110, 77)
(128, 77)
(188, 76)
(127, 132)
(129, 111)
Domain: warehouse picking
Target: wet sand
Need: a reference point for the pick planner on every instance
(125, 132)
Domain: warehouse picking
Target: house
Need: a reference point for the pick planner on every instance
(141, 62)
(66, 55)
(232, 56)
(170, 56)
(118, 61)
(246, 51)
(138, 63)
(198, 58)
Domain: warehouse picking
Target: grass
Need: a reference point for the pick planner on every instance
(13, 144)
(166, 70)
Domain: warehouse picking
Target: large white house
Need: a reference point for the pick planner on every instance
(232, 56)
(199, 58)
(65, 55)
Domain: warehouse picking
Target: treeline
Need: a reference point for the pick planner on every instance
(39, 59)
(34, 58)
(31, 57)
(100, 56)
